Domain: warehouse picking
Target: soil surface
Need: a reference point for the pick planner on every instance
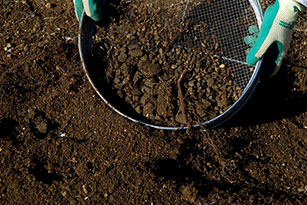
(59, 143)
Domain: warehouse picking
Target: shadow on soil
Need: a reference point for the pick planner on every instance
(41, 173)
(39, 120)
(8, 130)
(275, 98)
(182, 171)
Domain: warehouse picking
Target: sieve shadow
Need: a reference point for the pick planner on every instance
(275, 98)
(8, 130)
(39, 171)
(184, 174)
(110, 12)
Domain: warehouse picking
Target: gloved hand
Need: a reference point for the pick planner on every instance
(92, 8)
(276, 29)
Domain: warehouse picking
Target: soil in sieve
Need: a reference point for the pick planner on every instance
(165, 69)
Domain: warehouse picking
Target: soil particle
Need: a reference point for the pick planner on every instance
(148, 109)
(148, 69)
(189, 193)
(122, 57)
(41, 126)
(222, 101)
(48, 5)
(180, 118)
(136, 53)
(201, 107)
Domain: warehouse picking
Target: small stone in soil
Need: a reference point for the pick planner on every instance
(122, 57)
(189, 193)
(42, 127)
(136, 53)
(48, 5)
(179, 118)
(149, 69)
(222, 101)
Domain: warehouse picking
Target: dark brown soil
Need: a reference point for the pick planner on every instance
(59, 143)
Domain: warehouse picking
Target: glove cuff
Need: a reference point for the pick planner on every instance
(292, 5)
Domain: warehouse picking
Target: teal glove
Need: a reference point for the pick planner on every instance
(92, 8)
(277, 28)
(251, 40)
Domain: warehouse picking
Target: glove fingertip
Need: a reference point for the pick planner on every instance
(78, 9)
(253, 29)
(251, 59)
(79, 16)
(250, 40)
(246, 40)
(97, 17)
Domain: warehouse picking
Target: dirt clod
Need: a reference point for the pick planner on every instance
(189, 193)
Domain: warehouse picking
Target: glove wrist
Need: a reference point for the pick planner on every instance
(291, 5)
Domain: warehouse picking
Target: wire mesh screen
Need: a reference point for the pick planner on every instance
(226, 23)
(217, 23)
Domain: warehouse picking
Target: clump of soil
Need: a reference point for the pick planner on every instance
(165, 69)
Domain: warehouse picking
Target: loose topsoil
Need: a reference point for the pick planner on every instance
(59, 143)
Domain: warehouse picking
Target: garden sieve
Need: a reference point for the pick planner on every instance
(215, 28)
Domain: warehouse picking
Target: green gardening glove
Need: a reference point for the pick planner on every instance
(251, 40)
(276, 29)
(92, 8)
